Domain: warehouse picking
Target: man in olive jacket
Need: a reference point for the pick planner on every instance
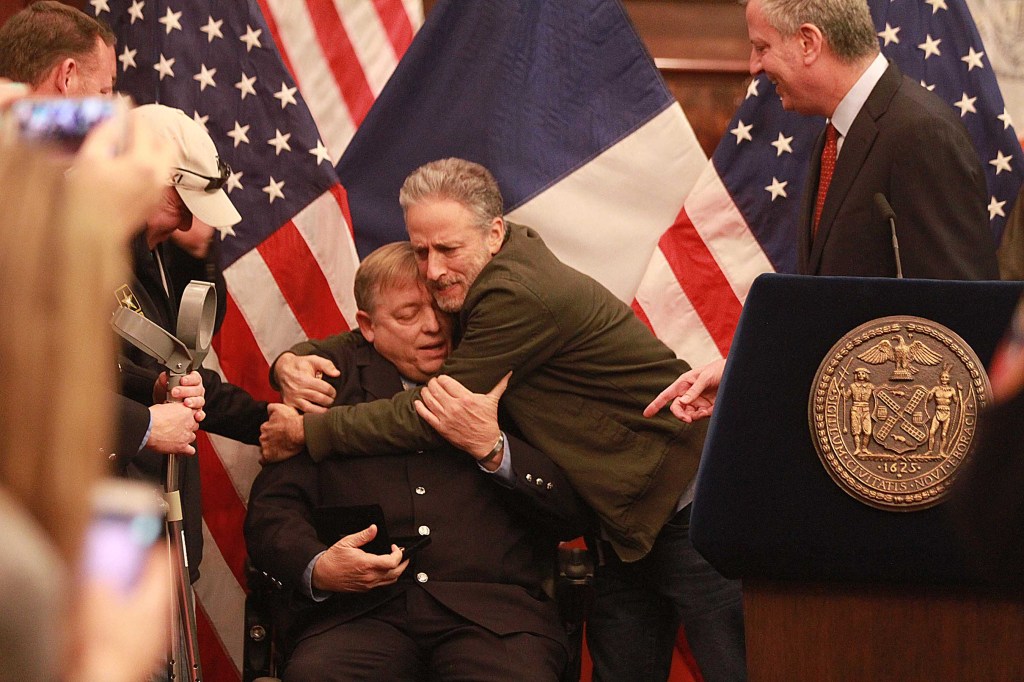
(583, 368)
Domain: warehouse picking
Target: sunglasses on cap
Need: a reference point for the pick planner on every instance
(180, 179)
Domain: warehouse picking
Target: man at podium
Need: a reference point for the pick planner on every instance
(889, 150)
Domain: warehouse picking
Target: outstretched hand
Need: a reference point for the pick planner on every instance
(692, 396)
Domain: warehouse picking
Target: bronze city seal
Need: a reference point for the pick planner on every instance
(893, 411)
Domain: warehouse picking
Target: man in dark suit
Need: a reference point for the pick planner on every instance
(582, 368)
(470, 606)
(885, 135)
(193, 194)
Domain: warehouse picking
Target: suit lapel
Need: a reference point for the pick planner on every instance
(807, 208)
(856, 146)
(378, 377)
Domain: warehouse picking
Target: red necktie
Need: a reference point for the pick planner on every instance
(828, 165)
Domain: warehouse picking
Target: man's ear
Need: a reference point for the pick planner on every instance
(365, 325)
(811, 42)
(496, 235)
(62, 79)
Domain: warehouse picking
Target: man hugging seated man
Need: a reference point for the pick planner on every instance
(471, 604)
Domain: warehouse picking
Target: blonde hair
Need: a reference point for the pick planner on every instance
(60, 260)
(384, 268)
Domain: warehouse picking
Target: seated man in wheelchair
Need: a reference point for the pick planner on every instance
(471, 604)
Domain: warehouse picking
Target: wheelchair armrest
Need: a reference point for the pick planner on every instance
(258, 650)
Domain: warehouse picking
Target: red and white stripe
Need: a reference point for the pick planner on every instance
(698, 278)
(295, 285)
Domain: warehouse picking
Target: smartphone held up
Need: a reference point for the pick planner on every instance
(61, 123)
(128, 517)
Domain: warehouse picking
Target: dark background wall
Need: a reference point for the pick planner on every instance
(700, 46)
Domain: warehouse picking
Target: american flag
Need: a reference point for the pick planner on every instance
(741, 218)
(281, 86)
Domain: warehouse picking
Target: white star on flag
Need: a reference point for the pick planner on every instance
(273, 190)
(165, 67)
(240, 134)
(280, 141)
(782, 145)
(1001, 162)
(995, 208)
(234, 181)
(936, 5)
(973, 59)
(246, 85)
(286, 95)
(320, 152)
(135, 11)
(205, 77)
(1005, 118)
(171, 21)
(966, 105)
(226, 231)
(100, 6)
(201, 120)
(890, 35)
(930, 46)
(251, 38)
(752, 88)
(742, 132)
(777, 189)
(127, 59)
(212, 29)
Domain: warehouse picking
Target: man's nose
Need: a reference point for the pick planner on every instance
(435, 266)
(431, 323)
(755, 63)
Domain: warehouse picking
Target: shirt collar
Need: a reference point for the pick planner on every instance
(854, 101)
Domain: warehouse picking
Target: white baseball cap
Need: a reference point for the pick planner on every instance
(199, 174)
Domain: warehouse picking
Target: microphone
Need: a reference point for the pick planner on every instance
(885, 210)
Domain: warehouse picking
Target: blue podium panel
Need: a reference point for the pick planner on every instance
(765, 507)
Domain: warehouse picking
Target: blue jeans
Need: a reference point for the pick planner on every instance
(639, 606)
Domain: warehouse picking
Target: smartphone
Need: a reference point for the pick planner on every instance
(127, 519)
(61, 122)
(416, 545)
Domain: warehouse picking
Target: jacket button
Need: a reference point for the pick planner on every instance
(420, 490)
(529, 477)
(422, 577)
(424, 530)
(549, 486)
(540, 481)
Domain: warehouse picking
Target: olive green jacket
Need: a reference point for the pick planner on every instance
(583, 369)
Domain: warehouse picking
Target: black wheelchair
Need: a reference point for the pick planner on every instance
(263, 656)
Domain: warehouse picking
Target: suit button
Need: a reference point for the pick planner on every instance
(424, 530)
(420, 490)
(529, 478)
(549, 486)
(540, 481)
(422, 577)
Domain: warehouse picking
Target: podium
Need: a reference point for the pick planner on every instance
(834, 588)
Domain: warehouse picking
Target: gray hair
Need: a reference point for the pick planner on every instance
(465, 182)
(845, 24)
